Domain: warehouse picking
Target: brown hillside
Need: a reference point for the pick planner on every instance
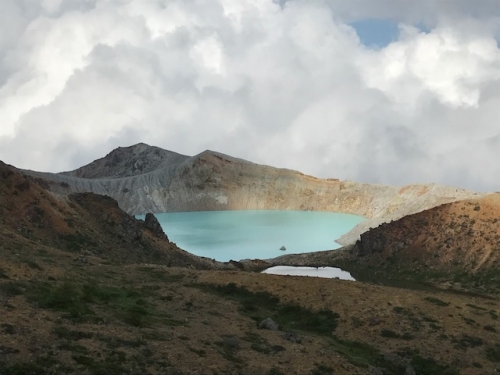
(457, 244)
(464, 234)
(76, 298)
(83, 224)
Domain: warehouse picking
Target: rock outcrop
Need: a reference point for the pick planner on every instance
(153, 225)
(148, 179)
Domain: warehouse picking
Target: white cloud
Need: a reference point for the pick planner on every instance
(281, 83)
(446, 63)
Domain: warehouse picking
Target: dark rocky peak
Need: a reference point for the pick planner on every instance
(152, 224)
(129, 161)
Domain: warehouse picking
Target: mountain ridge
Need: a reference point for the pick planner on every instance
(127, 162)
(156, 180)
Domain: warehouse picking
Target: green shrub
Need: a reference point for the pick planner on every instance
(67, 334)
(467, 341)
(388, 333)
(437, 301)
(322, 370)
(3, 275)
(75, 299)
(357, 353)
(12, 288)
(429, 366)
(391, 334)
(66, 297)
(490, 328)
(493, 353)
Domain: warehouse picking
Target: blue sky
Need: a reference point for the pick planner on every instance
(283, 83)
(376, 33)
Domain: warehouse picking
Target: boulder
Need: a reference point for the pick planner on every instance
(292, 337)
(270, 324)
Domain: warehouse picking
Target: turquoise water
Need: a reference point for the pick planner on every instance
(226, 235)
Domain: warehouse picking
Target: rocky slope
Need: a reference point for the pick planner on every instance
(458, 241)
(148, 179)
(83, 225)
(453, 245)
(464, 234)
(129, 161)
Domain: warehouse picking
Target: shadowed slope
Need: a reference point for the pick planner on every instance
(83, 224)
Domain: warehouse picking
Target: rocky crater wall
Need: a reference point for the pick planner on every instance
(214, 181)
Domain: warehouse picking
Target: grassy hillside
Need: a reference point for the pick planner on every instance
(86, 289)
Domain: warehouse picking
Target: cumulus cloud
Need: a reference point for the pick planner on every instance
(285, 83)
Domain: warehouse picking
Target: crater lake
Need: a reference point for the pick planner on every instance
(255, 234)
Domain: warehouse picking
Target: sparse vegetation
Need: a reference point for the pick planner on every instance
(75, 242)
(321, 369)
(358, 353)
(466, 341)
(83, 290)
(76, 299)
(261, 305)
(32, 264)
(493, 353)
(2, 274)
(437, 301)
(261, 345)
(8, 328)
(430, 366)
(12, 288)
(68, 334)
(391, 334)
(490, 329)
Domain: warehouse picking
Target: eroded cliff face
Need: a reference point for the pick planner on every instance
(214, 181)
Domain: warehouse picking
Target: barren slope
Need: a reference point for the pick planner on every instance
(457, 238)
(129, 161)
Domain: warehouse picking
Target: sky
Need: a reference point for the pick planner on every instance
(379, 91)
